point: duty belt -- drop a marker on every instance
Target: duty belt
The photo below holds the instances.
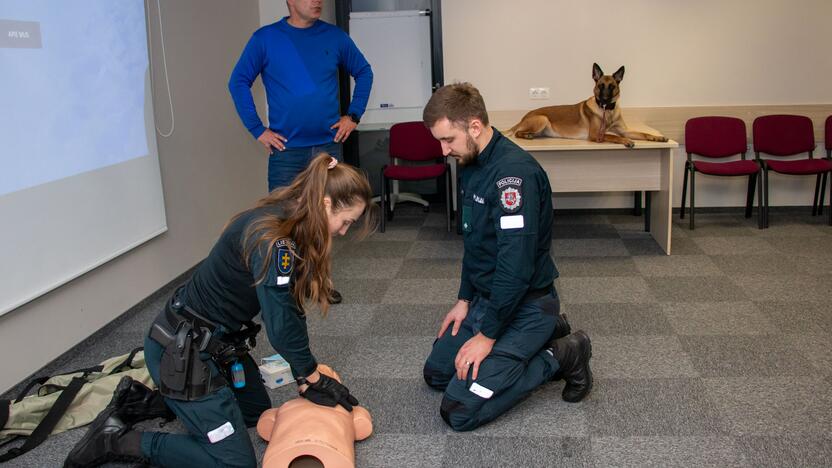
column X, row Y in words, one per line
column 528, row 297
column 185, row 335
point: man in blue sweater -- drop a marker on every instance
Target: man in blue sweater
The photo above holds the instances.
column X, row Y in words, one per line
column 298, row 58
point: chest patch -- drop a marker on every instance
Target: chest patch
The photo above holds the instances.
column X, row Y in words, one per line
column 478, row 199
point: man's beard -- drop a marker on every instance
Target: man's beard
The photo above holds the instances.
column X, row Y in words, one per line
column 471, row 152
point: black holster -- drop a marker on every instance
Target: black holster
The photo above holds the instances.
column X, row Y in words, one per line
column 187, row 339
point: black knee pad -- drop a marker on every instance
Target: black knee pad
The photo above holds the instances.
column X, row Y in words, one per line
column 449, row 407
column 434, row 378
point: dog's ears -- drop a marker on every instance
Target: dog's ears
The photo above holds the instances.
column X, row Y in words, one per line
column 597, row 73
column 619, row 75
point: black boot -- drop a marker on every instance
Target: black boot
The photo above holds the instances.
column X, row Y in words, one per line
column 573, row 353
column 137, row 402
column 335, row 297
column 562, row 328
column 109, row 438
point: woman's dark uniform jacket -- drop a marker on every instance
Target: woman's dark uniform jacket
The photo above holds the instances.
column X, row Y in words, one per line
column 222, row 289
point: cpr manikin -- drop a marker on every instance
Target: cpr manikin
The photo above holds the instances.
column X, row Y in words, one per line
column 301, row 433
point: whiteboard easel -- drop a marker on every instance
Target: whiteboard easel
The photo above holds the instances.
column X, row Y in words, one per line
column 397, row 46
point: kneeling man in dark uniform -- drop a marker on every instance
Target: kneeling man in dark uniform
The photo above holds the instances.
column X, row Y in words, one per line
column 505, row 336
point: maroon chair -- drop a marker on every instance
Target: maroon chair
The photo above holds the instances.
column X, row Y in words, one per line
column 788, row 135
column 412, row 141
column 828, row 133
column 718, row 138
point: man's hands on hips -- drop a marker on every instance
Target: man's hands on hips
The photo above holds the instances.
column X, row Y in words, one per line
column 271, row 139
column 472, row 353
column 345, row 126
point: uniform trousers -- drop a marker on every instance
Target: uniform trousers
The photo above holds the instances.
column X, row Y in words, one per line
column 241, row 408
column 517, row 364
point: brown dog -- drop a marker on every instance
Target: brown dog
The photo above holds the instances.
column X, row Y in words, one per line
column 596, row 119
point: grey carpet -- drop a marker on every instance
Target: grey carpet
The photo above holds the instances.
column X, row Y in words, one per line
column 716, row 356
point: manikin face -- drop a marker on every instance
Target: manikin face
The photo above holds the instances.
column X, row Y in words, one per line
column 457, row 141
column 341, row 220
column 306, row 10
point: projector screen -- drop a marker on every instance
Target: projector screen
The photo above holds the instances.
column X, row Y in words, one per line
column 79, row 167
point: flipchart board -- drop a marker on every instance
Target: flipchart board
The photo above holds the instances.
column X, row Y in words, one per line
column 397, row 45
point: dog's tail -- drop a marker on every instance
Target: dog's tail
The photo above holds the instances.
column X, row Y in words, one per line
column 510, row 132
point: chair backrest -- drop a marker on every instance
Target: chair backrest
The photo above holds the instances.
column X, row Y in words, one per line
column 412, row 141
column 783, row 135
column 715, row 137
column 828, row 131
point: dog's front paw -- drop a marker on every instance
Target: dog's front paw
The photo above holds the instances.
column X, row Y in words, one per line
column 629, row 143
column 662, row 139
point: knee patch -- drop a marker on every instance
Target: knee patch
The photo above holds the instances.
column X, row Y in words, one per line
column 452, row 413
column 435, row 378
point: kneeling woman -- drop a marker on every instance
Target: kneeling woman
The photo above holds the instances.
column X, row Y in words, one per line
column 270, row 259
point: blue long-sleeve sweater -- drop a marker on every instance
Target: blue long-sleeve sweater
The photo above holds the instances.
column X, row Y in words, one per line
column 299, row 69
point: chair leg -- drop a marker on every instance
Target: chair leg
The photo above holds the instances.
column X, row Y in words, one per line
column 383, row 200
column 389, row 189
column 759, row 175
column 817, row 193
column 692, row 195
column 749, row 199
column 765, row 197
column 822, row 193
column 448, row 197
column 830, row 198
column 684, row 191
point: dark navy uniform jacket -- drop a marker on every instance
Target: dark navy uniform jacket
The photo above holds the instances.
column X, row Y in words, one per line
column 507, row 226
column 223, row 290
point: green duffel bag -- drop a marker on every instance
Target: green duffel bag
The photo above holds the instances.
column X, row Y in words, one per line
column 65, row 401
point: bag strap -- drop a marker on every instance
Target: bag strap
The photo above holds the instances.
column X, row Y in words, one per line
column 128, row 361
column 4, row 412
column 49, row 421
column 32, row 383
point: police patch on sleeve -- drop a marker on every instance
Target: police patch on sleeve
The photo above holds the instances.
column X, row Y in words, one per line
column 284, row 261
column 511, row 197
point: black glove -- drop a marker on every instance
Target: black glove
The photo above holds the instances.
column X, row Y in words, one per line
column 329, row 392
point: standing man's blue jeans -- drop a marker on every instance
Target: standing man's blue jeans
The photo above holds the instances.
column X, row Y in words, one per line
column 285, row 165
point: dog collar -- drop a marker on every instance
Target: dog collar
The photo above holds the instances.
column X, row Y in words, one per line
column 609, row 107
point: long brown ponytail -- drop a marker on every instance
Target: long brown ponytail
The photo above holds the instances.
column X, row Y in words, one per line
column 306, row 223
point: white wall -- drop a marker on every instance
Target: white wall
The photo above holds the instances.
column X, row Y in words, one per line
column 676, row 53
column 211, row 169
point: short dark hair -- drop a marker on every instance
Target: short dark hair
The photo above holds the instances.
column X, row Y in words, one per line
column 458, row 102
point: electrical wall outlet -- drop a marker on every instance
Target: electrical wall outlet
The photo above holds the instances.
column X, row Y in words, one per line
column 538, row 93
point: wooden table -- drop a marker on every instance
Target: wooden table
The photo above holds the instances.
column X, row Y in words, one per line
column 583, row 166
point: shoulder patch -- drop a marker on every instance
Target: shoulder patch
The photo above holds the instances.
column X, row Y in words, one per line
column 511, row 197
column 516, row 181
column 284, row 260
